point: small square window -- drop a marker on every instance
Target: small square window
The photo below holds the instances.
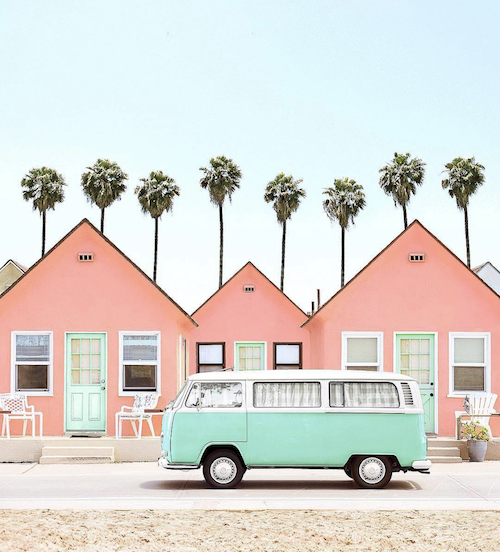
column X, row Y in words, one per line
column 362, row 351
column 287, row 356
column 210, row 357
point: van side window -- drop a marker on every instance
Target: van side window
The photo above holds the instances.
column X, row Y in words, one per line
column 364, row 395
column 336, row 394
column 215, row 395
column 287, row 395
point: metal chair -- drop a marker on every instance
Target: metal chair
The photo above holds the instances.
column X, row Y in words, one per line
column 16, row 407
column 136, row 412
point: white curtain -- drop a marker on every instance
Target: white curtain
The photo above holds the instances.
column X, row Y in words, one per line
column 287, row 395
column 370, row 395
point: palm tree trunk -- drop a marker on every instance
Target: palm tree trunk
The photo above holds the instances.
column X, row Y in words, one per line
column 44, row 221
column 156, row 249
column 102, row 220
column 283, row 243
column 342, row 258
column 467, row 245
column 405, row 219
column 221, row 251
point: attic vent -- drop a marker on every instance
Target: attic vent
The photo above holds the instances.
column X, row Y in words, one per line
column 249, row 288
column 85, row 257
column 417, row 257
column 407, row 393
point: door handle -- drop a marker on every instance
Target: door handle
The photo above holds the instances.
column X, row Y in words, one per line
column 432, row 394
column 432, row 383
column 103, row 388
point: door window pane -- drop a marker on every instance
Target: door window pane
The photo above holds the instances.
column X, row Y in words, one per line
column 287, row 394
column 215, row 395
column 469, row 378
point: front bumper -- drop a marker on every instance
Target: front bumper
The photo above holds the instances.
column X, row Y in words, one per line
column 421, row 465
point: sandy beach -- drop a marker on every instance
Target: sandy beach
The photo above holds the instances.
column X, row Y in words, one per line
column 248, row 531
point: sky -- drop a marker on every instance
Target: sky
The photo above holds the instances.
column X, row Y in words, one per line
column 317, row 89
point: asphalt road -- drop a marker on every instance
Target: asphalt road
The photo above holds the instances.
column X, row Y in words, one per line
column 145, row 485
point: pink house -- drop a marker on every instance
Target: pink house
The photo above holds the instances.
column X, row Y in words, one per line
column 249, row 324
column 418, row 310
column 84, row 329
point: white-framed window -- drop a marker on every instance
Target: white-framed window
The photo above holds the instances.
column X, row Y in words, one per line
column 140, row 369
column 470, row 363
column 32, row 363
column 362, row 351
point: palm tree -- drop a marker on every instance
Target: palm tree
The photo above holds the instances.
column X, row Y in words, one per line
column 345, row 200
column 221, row 179
column 103, row 184
column 285, row 195
column 45, row 187
column 156, row 195
column 400, row 179
column 464, row 178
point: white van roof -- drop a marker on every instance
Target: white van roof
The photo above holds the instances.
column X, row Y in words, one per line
column 300, row 375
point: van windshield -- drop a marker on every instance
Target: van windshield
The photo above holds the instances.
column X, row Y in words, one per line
column 173, row 404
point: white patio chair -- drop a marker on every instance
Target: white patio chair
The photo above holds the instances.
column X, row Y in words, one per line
column 134, row 413
column 17, row 406
column 481, row 403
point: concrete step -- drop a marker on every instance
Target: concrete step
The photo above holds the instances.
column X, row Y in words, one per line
column 442, row 442
column 77, row 455
column 443, row 451
column 78, row 451
column 76, row 459
column 446, row 459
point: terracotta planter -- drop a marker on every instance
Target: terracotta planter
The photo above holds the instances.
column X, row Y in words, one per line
column 477, row 450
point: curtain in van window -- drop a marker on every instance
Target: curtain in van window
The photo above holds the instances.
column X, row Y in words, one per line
column 370, row 395
column 287, row 394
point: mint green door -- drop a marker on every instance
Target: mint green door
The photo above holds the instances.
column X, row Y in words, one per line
column 85, row 382
column 415, row 358
column 250, row 356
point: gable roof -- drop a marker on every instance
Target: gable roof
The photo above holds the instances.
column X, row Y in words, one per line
column 416, row 222
column 21, row 268
column 480, row 267
column 249, row 263
column 109, row 242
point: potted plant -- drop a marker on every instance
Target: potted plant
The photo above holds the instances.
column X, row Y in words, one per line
column 477, row 440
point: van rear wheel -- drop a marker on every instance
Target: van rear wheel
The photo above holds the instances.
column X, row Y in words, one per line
column 371, row 472
column 223, row 469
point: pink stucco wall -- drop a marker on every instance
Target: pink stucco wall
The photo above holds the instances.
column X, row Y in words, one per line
column 393, row 295
column 266, row 315
column 108, row 295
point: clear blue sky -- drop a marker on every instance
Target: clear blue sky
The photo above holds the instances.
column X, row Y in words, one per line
column 318, row 89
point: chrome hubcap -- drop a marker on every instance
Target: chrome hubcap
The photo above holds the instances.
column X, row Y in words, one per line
column 223, row 470
column 372, row 470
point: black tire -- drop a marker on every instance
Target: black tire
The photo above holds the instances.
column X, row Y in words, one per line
column 371, row 472
column 230, row 469
column 348, row 472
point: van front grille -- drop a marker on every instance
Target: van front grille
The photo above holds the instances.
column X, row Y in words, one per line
column 407, row 393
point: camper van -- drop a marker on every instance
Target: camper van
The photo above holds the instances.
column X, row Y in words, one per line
column 370, row 424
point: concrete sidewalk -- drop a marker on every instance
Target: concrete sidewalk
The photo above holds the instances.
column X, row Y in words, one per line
column 465, row 486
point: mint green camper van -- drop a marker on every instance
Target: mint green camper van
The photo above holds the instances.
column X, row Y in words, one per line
column 370, row 424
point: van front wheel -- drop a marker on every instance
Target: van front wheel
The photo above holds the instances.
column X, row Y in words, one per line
column 223, row 469
column 371, row 472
